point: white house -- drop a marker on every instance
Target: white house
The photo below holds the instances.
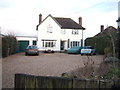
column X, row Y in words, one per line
column 56, row 33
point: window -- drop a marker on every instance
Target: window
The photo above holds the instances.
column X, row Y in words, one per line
column 75, row 43
column 49, row 29
column 63, row 31
column 75, row 32
column 49, row 43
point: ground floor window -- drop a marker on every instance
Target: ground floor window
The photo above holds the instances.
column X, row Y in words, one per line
column 75, row 43
column 47, row 43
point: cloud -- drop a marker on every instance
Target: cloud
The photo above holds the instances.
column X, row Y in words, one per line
column 22, row 15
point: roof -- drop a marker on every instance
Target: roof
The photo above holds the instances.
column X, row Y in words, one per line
column 68, row 23
column 64, row 23
column 110, row 29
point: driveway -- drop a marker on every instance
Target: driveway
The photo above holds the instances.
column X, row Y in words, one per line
column 44, row 65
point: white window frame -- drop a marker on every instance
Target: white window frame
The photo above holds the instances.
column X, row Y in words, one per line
column 75, row 32
column 47, row 43
column 74, row 43
column 49, row 29
column 63, row 31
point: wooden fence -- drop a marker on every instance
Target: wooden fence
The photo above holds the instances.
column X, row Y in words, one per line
column 30, row 81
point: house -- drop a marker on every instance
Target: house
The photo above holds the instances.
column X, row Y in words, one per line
column 109, row 30
column 24, row 41
column 104, row 40
column 59, row 34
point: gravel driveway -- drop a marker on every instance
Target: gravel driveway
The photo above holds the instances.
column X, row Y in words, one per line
column 44, row 64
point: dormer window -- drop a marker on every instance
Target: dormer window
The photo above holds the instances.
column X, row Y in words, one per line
column 49, row 29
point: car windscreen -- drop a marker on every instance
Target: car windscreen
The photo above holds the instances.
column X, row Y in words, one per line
column 32, row 47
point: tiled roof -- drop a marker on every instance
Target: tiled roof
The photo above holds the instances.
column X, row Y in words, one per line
column 109, row 29
column 68, row 23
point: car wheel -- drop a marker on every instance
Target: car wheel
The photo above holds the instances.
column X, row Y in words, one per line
column 26, row 54
column 91, row 53
column 52, row 51
column 81, row 54
column 37, row 54
column 94, row 54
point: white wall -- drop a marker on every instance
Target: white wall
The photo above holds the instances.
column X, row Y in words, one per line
column 42, row 33
column 56, row 34
column 30, row 39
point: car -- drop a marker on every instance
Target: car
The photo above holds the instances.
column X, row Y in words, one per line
column 74, row 50
column 88, row 50
column 32, row 50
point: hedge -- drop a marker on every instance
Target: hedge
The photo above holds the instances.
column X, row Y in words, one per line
column 9, row 45
column 101, row 43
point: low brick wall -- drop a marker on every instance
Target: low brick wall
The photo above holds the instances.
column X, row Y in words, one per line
column 31, row 81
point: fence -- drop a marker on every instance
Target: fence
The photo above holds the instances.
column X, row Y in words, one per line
column 30, row 81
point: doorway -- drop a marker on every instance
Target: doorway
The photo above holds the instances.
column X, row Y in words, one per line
column 62, row 45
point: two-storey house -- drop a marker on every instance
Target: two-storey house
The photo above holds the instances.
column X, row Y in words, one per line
column 57, row 34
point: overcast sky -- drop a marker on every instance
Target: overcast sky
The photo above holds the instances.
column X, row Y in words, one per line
column 21, row 16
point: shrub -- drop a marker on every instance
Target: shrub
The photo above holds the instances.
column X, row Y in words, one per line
column 113, row 73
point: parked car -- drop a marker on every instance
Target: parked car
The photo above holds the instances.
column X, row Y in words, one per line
column 74, row 50
column 88, row 50
column 32, row 50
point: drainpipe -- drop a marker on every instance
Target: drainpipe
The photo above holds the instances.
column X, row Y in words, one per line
column 82, row 39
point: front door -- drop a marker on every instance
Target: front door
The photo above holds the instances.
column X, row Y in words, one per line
column 62, row 46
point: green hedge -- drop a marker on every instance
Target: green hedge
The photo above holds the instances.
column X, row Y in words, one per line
column 9, row 45
column 100, row 43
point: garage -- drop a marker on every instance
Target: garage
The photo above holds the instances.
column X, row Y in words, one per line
column 22, row 45
column 24, row 41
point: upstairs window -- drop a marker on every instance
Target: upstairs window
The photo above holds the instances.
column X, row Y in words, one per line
column 63, row 31
column 49, row 29
column 75, row 32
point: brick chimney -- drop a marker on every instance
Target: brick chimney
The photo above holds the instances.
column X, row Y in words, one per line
column 80, row 21
column 40, row 18
column 102, row 28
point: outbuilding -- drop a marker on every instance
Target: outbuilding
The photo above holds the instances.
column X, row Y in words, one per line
column 24, row 41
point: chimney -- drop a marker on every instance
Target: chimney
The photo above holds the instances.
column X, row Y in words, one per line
column 80, row 21
column 102, row 28
column 40, row 18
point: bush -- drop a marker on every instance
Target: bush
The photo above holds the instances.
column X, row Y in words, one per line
column 113, row 73
column 9, row 45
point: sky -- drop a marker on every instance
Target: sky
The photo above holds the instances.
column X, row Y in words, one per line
column 20, row 17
